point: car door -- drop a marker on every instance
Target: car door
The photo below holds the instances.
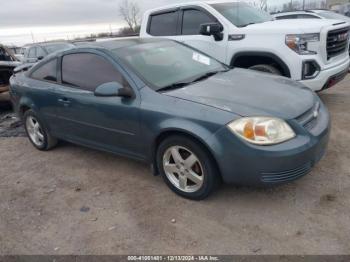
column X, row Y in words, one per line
column 109, row 123
column 184, row 26
column 43, row 81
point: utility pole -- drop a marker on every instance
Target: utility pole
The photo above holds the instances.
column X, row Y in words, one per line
column 303, row 4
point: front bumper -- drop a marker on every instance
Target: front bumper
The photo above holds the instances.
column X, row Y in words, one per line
column 328, row 77
column 245, row 164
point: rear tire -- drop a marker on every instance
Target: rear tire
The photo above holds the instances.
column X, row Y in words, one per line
column 266, row 69
column 187, row 167
column 37, row 133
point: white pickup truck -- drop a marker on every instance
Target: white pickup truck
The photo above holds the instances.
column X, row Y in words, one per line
column 312, row 51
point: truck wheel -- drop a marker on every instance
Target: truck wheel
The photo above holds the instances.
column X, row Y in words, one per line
column 267, row 69
column 37, row 133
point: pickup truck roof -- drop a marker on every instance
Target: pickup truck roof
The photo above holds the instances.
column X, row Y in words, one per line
column 194, row 3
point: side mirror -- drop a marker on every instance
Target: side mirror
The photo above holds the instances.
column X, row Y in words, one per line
column 212, row 29
column 40, row 58
column 113, row 89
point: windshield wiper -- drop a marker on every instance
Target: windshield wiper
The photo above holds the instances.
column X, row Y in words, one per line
column 174, row 86
column 183, row 84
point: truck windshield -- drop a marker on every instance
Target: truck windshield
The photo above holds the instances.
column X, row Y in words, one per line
column 242, row 14
column 167, row 64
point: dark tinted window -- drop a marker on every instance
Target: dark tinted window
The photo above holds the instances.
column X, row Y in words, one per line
column 47, row 72
column 163, row 24
column 192, row 19
column 88, row 71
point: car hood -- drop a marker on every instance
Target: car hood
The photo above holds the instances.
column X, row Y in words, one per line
column 250, row 93
column 294, row 26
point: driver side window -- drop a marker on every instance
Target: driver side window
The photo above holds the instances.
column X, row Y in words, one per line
column 192, row 20
column 88, row 71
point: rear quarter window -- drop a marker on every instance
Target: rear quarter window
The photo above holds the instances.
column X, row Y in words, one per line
column 47, row 72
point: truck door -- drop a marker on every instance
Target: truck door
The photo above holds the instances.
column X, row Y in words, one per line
column 190, row 23
column 183, row 25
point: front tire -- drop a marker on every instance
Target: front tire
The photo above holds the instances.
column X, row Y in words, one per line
column 266, row 69
column 187, row 167
column 37, row 133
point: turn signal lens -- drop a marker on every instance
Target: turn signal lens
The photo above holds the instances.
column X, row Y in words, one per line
column 262, row 130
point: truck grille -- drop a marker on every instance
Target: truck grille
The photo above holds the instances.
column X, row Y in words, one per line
column 337, row 42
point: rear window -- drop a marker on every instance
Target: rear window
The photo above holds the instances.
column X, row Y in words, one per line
column 163, row 24
column 47, row 72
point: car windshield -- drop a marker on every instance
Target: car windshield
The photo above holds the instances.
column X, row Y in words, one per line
column 57, row 47
column 241, row 14
column 168, row 63
column 332, row 15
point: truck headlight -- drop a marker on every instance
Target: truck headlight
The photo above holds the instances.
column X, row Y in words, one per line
column 262, row 130
column 299, row 43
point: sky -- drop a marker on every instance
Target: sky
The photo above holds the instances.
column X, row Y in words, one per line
column 25, row 21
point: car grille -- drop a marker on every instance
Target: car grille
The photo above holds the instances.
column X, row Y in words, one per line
column 285, row 176
column 309, row 119
column 337, row 42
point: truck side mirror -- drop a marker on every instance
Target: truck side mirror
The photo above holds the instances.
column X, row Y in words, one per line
column 212, row 29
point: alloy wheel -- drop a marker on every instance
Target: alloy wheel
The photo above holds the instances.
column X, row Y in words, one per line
column 34, row 131
column 183, row 169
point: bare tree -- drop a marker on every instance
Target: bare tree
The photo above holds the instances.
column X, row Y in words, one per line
column 263, row 5
column 130, row 11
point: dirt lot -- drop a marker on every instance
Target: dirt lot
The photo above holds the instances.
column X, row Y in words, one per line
column 74, row 200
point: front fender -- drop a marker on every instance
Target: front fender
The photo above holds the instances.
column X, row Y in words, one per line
column 179, row 127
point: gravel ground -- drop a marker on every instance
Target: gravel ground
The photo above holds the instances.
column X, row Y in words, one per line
column 10, row 125
column 74, row 200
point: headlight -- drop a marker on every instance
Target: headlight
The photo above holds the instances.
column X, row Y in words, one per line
column 299, row 43
column 262, row 130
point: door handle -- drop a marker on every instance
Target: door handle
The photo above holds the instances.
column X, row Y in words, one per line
column 64, row 101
